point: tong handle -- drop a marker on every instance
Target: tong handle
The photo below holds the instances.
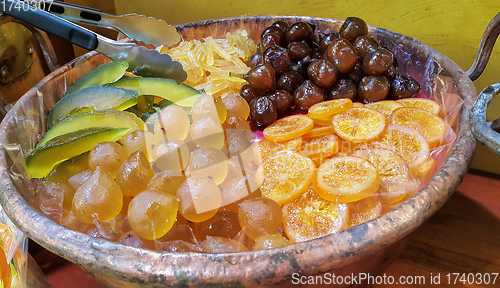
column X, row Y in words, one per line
column 51, row 24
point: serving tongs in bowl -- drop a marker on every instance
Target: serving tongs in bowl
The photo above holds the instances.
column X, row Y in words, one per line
column 142, row 61
column 142, row 28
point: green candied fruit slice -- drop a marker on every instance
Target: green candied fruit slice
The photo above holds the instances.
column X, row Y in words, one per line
column 177, row 92
column 45, row 157
column 95, row 118
column 92, row 98
column 102, row 74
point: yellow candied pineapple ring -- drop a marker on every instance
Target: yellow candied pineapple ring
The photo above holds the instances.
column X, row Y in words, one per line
column 288, row 128
column 359, row 124
column 346, row 179
column 285, row 175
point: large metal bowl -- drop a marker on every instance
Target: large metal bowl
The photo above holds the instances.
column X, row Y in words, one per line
column 367, row 248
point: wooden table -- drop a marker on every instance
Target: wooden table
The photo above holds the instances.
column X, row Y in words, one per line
column 462, row 237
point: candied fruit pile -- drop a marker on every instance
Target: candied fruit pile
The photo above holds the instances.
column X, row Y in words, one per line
column 194, row 177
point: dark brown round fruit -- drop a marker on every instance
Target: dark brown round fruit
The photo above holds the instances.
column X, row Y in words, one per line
column 357, row 73
column 373, row 88
column 299, row 31
column 391, row 73
column 274, row 30
column 270, row 39
column 278, row 58
column 263, row 111
column 322, row 73
column 352, row 28
column 281, row 24
column 343, row 88
column 282, row 99
column 343, row 55
column 326, row 40
column 404, row 86
column 289, row 81
column 364, row 44
column 298, row 50
column 377, row 62
column 249, row 92
column 307, row 94
column 262, row 77
column 254, row 60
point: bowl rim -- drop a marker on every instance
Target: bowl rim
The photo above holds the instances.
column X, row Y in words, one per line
column 334, row 250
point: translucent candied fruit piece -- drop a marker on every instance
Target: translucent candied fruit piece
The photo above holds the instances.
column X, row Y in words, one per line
column 239, row 146
column 54, row 198
column 130, row 238
column 259, row 216
column 166, row 181
column 213, row 244
column 310, row 217
column 223, row 224
column 209, row 162
column 68, row 168
column 236, row 124
column 78, row 179
column 236, row 105
column 152, row 214
column 109, row 156
column 270, row 241
column 97, row 198
column 200, row 198
column 70, row 221
column 237, row 190
column 172, row 122
column 141, row 140
column 171, row 154
column 134, row 174
column 264, row 148
column 205, row 131
column 208, row 106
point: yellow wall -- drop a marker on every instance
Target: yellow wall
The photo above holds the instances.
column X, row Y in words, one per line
column 454, row 27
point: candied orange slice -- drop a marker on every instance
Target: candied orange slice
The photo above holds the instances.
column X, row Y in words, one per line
column 357, row 105
column 320, row 147
column 422, row 103
column 310, row 217
column 264, row 148
column 432, row 127
column 288, row 128
column 364, row 210
column 385, row 107
column 320, row 130
column 325, row 110
column 346, row 179
column 359, row 124
column 284, row 176
column 424, row 168
column 392, row 169
column 405, row 141
column 347, row 147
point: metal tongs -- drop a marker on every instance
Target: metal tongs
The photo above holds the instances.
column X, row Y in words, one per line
column 141, row 60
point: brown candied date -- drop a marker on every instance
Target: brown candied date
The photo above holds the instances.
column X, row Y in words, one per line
column 249, row 92
column 282, row 99
column 343, row 88
column 270, row 39
column 352, row 28
column 307, row 94
column 263, row 111
column 299, row 31
column 364, row 44
column 254, row 59
column 298, row 50
column 357, row 73
column 274, row 30
column 377, row 62
column 289, row 81
column 373, row 88
column 326, row 40
column 343, row 55
column 262, row 77
column 281, row 24
column 404, row 86
column 322, row 73
column 278, row 58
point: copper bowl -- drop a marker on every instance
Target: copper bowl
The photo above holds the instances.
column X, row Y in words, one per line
column 367, row 248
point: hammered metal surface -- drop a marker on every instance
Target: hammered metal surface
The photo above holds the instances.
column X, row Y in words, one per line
column 365, row 248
